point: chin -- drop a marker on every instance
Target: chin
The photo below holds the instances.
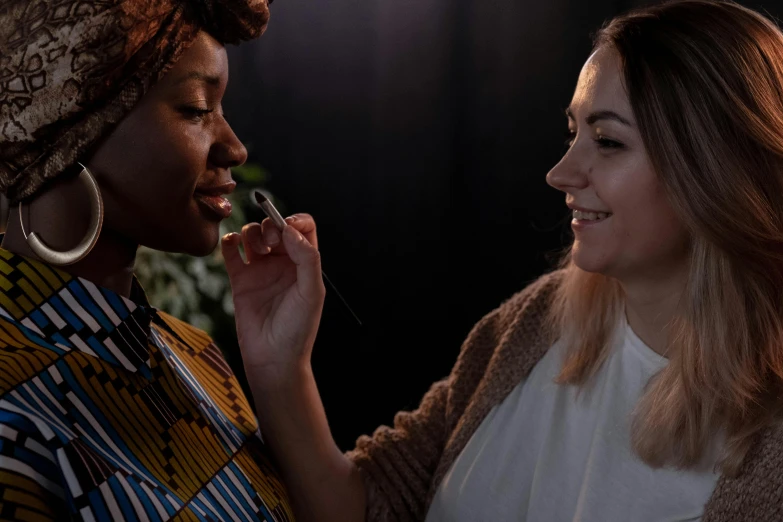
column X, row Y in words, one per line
column 589, row 261
column 203, row 250
column 199, row 242
column 205, row 245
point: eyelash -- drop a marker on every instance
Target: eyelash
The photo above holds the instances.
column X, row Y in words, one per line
column 603, row 143
column 195, row 112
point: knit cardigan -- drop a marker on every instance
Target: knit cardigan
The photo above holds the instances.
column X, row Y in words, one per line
column 402, row 466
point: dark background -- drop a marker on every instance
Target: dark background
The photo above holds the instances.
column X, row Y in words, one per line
column 418, row 134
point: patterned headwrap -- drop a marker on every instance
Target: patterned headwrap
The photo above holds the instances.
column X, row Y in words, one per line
column 70, row 70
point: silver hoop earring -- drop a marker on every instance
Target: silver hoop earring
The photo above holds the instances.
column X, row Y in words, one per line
column 69, row 257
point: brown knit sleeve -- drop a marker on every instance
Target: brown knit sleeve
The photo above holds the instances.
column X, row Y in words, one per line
column 756, row 493
column 398, row 463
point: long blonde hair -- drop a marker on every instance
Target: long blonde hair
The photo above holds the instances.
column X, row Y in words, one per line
column 705, row 81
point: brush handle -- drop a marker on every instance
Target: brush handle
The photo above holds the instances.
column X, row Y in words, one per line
column 272, row 213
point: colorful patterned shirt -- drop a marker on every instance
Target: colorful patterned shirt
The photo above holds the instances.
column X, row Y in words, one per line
column 113, row 410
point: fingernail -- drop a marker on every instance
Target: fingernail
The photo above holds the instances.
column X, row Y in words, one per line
column 290, row 219
column 259, row 248
column 272, row 237
column 227, row 237
column 299, row 236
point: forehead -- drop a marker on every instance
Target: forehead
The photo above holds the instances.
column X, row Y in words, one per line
column 206, row 56
column 600, row 85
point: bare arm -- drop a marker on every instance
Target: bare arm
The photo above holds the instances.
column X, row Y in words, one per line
column 278, row 298
column 324, row 484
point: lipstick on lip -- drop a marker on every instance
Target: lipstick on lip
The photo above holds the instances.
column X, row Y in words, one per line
column 211, row 198
column 219, row 206
column 217, row 190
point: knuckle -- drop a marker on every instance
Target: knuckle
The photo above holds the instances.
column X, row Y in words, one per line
column 315, row 256
column 304, row 217
column 251, row 226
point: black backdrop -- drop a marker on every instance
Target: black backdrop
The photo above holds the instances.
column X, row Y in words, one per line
column 418, row 134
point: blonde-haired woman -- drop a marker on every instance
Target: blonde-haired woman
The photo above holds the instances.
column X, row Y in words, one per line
column 641, row 380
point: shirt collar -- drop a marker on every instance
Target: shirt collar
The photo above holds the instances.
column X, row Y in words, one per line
column 71, row 313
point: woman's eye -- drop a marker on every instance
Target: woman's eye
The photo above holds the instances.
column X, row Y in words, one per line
column 606, row 143
column 196, row 113
column 603, row 142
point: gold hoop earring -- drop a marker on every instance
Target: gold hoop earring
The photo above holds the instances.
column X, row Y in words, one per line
column 69, row 257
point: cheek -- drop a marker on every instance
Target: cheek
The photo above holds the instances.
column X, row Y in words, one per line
column 647, row 223
column 173, row 156
column 163, row 161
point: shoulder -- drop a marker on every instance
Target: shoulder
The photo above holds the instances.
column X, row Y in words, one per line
column 512, row 335
column 756, row 493
column 198, row 351
column 522, row 313
column 192, row 346
column 194, row 337
column 24, row 354
column 532, row 301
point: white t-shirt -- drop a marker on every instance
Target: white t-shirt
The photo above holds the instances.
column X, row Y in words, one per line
column 548, row 454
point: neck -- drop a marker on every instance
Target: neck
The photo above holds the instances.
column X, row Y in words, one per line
column 60, row 218
column 651, row 304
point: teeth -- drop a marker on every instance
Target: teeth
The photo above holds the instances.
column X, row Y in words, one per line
column 590, row 216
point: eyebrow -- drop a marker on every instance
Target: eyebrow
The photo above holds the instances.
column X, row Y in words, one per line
column 600, row 115
column 202, row 77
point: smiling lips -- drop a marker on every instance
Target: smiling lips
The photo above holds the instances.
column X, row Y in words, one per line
column 210, row 198
column 581, row 215
column 584, row 216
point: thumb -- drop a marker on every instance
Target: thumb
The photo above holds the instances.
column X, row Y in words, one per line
column 307, row 260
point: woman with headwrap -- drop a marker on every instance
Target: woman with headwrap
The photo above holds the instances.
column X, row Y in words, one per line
column 112, row 136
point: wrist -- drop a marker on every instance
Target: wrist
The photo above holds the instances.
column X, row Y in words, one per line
column 277, row 378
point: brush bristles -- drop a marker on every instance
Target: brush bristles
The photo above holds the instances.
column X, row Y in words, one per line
column 259, row 197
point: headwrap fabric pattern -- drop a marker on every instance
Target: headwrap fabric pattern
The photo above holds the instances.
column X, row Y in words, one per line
column 70, row 70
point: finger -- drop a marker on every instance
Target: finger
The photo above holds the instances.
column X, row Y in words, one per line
column 271, row 234
column 229, row 247
column 253, row 241
column 305, row 224
column 308, row 264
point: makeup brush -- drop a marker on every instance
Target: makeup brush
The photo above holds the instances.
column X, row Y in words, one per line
column 257, row 197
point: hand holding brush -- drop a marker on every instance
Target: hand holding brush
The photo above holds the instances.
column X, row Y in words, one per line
column 278, row 292
column 269, row 209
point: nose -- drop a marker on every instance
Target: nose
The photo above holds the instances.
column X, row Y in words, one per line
column 228, row 151
column 570, row 173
